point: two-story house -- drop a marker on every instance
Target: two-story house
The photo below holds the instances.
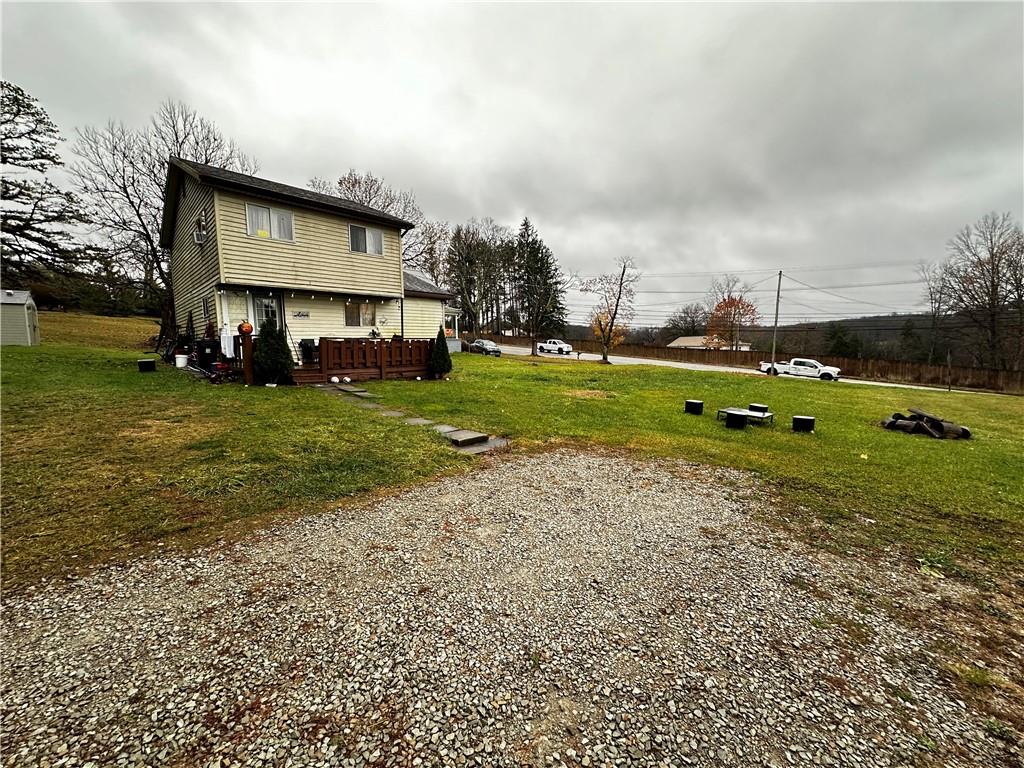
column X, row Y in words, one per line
column 245, row 248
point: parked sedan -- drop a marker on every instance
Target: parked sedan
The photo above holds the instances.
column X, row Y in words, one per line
column 485, row 347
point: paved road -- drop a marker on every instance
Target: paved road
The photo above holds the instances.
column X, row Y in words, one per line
column 508, row 349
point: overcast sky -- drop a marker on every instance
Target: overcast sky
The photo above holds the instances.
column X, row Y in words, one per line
column 852, row 139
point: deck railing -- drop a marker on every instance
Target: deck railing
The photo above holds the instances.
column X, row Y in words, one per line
column 358, row 359
column 373, row 359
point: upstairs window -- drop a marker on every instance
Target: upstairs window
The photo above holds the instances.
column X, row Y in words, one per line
column 268, row 223
column 360, row 315
column 365, row 240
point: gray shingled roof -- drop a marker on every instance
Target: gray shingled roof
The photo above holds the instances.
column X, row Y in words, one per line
column 419, row 286
column 225, row 179
column 14, row 297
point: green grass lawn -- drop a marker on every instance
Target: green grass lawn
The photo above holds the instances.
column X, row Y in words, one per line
column 851, row 484
column 101, row 462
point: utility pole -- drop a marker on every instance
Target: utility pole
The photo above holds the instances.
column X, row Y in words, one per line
column 775, row 330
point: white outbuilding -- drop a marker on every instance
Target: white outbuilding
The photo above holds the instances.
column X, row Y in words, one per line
column 19, row 320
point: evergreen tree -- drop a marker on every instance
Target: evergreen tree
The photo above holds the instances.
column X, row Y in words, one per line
column 36, row 216
column 841, row 342
column 911, row 347
column 440, row 359
column 541, row 286
column 272, row 357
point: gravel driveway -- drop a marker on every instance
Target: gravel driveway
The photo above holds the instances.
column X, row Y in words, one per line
column 555, row 609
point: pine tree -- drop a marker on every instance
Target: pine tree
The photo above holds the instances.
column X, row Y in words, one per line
column 842, row 342
column 36, row 216
column 542, row 309
column 440, row 359
column 272, row 357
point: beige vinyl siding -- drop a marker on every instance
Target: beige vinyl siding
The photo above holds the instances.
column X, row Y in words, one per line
column 423, row 317
column 194, row 268
column 327, row 318
column 318, row 259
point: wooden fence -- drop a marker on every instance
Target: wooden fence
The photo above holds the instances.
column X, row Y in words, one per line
column 896, row 371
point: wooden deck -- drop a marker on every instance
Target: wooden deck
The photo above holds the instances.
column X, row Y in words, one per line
column 367, row 359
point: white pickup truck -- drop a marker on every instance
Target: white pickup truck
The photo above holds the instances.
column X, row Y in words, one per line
column 801, row 366
column 556, row 346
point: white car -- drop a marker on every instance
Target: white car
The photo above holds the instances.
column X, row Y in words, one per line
column 801, row 366
column 555, row 346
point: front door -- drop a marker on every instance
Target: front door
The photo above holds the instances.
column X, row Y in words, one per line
column 265, row 307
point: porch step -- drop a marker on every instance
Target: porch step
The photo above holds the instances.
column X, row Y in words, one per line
column 461, row 438
column 307, row 377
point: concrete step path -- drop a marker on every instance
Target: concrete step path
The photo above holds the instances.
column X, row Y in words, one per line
column 462, row 440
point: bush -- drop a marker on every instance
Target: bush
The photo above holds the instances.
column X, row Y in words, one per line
column 272, row 361
column 440, row 359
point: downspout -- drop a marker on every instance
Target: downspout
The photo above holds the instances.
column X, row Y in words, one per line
column 401, row 302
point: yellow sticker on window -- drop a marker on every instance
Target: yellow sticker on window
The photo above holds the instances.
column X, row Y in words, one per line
column 262, row 233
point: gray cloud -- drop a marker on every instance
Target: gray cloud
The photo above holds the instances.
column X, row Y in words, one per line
column 695, row 138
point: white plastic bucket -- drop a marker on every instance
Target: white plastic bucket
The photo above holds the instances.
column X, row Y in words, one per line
column 181, row 361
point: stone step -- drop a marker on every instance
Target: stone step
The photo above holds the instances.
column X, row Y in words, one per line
column 364, row 394
column 418, row 421
column 351, row 388
column 445, row 428
column 463, row 437
column 491, row 444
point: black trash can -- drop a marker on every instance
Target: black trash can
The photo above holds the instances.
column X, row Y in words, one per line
column 735, row 420
column 309, row 351
column 803, row 424
column 207, row 353
column 696, row 407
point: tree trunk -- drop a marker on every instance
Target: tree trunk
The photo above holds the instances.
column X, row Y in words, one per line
column 168, row 327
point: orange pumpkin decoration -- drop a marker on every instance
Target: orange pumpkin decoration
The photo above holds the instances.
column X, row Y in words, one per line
column 245, row 328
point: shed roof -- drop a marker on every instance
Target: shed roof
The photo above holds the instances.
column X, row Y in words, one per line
column 240, row 182
column 15, row 297
column 416, row 286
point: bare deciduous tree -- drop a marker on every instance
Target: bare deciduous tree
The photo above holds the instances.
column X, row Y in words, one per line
column 727, row 286
column 423, row 247
column 473, row 264
column 933, row 277
column 982, row 287
column 689, row 320
column 613, row 311
column 120, row 174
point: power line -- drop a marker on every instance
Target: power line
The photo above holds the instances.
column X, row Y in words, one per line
column 861, row 265
column 839, row 296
